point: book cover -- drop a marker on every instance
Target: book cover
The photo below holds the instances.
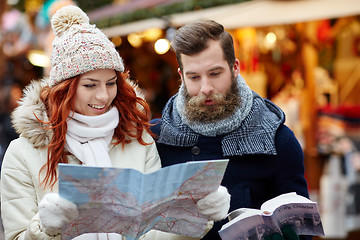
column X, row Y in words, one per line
column 291, row 209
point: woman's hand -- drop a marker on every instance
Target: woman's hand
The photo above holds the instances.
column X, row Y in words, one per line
column 55, row 211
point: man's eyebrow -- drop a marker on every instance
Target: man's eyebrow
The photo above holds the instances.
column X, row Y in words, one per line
column 190, row 73
column 216, row 68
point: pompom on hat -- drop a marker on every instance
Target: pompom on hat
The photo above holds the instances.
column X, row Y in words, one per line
column 79, row 47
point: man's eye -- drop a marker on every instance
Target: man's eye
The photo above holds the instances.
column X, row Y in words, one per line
column 194, row 77
column 214, row 73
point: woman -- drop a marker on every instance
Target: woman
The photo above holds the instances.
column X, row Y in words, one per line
column 86, row 113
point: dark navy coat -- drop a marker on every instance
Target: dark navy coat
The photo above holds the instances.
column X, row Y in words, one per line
column 251, row 178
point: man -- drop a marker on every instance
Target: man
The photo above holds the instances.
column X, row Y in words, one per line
column 215, row 115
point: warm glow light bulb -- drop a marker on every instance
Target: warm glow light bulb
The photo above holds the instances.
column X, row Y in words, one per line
column 271, row 37
column 152, row 34
column 134, row 40
column 270, row 41
column 38, row 58
column 162, row 46
column 117, row 41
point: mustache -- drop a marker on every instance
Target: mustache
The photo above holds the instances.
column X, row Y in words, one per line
column 198, row 101
column 224, row 106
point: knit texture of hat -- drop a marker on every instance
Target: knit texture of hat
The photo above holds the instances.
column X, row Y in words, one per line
column 79, row 47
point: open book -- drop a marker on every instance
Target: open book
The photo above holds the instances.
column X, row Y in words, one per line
column 291, row 209
column 126, row 201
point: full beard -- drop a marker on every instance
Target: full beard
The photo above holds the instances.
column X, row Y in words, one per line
column 225, row 105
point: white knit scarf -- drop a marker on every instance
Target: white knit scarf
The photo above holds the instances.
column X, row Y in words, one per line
column 88, row 137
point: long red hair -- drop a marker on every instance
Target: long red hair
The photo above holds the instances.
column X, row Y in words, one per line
column 60, row 101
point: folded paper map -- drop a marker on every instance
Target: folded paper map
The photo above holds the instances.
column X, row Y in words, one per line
column 131, row 203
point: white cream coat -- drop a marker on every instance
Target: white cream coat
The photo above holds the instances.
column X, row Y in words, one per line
column 21, row 190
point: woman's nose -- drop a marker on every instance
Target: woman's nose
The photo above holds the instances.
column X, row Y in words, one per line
column 102, row 94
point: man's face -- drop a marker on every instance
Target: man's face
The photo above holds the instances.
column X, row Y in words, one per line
column 210, row 85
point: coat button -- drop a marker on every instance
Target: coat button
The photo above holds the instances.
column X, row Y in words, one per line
column 195, row 150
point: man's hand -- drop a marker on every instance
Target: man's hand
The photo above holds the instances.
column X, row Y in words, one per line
column 287, row 234
column 216, row 205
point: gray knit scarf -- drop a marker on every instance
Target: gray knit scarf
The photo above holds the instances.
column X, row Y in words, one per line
column 222, row 126
column 252, row 129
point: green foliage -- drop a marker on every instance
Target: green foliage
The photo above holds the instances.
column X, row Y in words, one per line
column 89, row 5
column 161, row 11
column 140, row 14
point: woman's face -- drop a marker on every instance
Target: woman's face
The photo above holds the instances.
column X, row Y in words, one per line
column 95, row 92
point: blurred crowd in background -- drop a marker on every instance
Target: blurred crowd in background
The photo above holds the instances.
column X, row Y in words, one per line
column 23, row 34
column 278, row 73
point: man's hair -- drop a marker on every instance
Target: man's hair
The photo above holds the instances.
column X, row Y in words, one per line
column 193, row 38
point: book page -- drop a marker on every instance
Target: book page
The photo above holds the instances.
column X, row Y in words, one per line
column 242, row 213
column 126, row 201
column 250, row 224
column 282, row 199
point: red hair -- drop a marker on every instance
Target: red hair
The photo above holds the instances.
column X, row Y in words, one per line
column 59, row 100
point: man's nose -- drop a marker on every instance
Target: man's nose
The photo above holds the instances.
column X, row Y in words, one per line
column 206, row 86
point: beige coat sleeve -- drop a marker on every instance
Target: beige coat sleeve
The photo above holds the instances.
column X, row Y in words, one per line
column 153, row 162
column 19, row 205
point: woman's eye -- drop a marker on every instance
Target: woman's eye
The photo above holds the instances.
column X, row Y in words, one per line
column 89, row 85
column 111, row 83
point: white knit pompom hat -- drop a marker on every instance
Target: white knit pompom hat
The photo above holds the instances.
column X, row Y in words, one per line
column 79, row 47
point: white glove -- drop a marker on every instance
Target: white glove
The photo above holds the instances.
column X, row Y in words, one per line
column 55, row 211
column 216, row 205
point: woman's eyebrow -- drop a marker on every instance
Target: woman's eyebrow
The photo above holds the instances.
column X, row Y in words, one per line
column 97, row 80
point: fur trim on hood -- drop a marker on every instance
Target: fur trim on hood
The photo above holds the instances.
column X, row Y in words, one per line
column 24, row 117
column 31, row 108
